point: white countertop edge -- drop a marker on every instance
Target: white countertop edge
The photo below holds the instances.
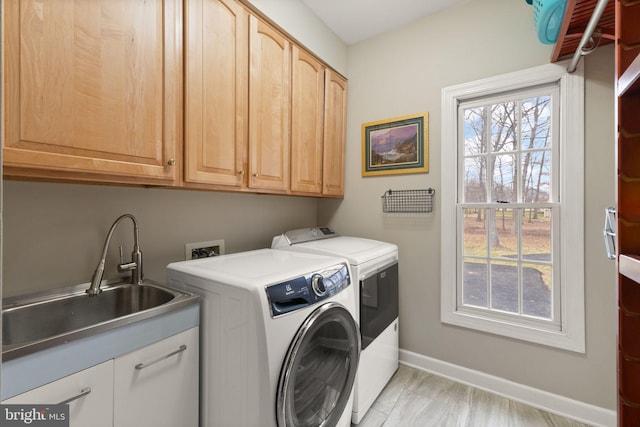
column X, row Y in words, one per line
column 28, row 372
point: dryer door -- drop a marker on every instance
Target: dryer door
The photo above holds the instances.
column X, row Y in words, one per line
column 319, row 369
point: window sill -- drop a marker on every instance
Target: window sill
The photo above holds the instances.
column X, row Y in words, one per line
column 566, row 340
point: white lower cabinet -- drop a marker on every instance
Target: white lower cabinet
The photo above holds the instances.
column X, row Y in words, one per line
column 89, row 394
column 157, row 385
column 154, row 386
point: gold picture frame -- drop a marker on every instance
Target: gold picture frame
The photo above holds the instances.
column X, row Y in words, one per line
column 396, row 146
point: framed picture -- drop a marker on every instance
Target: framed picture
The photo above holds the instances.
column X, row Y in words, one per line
column 395, row 146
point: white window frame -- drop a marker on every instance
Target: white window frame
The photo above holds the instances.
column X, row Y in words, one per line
column 569, row 332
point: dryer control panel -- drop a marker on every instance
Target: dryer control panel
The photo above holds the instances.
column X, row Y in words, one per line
column 302, row 235
column 303, row 291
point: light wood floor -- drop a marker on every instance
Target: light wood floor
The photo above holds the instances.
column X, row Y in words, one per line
column 417, row 398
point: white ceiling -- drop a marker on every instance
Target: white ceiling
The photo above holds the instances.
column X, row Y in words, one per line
column 357, row 20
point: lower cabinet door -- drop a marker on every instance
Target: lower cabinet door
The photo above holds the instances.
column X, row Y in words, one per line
column 157, row 385
column 88, row 393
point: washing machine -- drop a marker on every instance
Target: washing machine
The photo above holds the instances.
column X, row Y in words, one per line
column 374, row 265
column 279, row 340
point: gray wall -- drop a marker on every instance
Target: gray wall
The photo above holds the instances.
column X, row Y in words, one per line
column 403, row 73
column 54, row 233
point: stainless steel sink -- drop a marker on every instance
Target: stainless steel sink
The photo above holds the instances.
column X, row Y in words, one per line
column 41, row 321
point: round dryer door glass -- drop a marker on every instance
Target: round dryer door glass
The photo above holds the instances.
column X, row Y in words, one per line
column 319, row 369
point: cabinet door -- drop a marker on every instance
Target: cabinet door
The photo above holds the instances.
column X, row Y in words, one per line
column 89, row 394
column 307, row 118
column 158, row 385
column 269, row 107
column 335, row 126
column 216, row 85
column 92, row 89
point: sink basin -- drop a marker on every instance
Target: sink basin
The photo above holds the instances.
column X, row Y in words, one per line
column 41, row 321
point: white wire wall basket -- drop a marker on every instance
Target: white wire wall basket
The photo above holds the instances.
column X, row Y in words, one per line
column 408, row 201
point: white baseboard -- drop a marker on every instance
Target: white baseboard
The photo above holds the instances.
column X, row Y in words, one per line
column 556, row 404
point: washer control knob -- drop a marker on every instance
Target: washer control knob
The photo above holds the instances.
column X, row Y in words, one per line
column 317, row 283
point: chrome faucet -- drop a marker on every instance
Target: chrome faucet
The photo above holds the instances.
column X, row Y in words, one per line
column 135, row 266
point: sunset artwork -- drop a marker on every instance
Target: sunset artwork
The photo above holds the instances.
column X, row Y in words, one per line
column 395, row 146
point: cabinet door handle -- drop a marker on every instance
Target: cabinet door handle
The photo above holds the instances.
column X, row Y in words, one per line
column 82, row 393
column 141, row 366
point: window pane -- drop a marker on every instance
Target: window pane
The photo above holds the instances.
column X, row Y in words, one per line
column 536, row 289
column 504, row 286
column 475, row 232
column 507, row 148
column 503, row 178
column 504, row 127
column 503, row 236
column 475, row 186
column 474, row 131
column 536, row 176
column 536, row 123
column 536, row 235
column 474, row 286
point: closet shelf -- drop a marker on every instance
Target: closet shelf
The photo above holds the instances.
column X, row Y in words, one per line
column 626, row 178
column 626, row 222
column 629, row 266
column 629, row 81
column 576, row 17
column 628, row 135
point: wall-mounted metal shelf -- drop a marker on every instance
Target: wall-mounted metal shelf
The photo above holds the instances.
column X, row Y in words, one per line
column 408, row 201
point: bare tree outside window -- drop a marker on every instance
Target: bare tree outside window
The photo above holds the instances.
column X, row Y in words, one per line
column 507, row 238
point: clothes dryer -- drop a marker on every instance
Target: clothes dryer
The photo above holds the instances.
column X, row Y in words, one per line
column 375, row 269
column 279, row 341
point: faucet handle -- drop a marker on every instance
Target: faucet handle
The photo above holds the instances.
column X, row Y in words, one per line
column 125, row 266
column 129, row 266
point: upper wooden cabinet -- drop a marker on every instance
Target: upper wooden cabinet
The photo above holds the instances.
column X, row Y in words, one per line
column 307, row 118
column 120, row 91
column 335, row 127
column 216, row 92
column 92, row 90
column 261, row 113
column 269, row 107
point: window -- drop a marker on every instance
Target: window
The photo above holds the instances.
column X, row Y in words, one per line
column 512, row 202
